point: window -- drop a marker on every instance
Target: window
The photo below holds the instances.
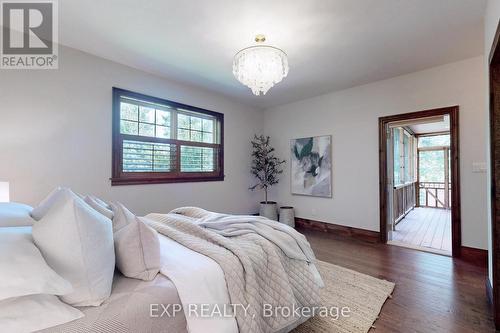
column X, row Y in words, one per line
column 442, row 140
column 404, row 157
column 397, row 158
column 407, row 158
column 160, row 141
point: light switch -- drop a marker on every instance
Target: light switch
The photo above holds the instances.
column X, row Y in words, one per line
column 479, row 167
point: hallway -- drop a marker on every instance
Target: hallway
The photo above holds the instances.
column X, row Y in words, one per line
column 426, row 228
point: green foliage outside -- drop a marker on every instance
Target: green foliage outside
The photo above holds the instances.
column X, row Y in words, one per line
column 433, row 141
column 431, row 166
column 141, row 156
column 431, row 163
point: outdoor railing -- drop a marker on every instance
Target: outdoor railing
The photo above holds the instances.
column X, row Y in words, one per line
column 404, row 200
column 434, row 194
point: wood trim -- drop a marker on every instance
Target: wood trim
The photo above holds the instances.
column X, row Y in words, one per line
column 452, row 111
column 478, row 257
column 494, row 78
column 418, row 135
column 158, row 180
column 169, row 141
column 175, row 176
column 339, row 230
column 489, row 291
column 494, row 55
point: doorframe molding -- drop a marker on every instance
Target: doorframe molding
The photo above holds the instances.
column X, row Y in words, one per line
column 452, row 111
column 494, row 121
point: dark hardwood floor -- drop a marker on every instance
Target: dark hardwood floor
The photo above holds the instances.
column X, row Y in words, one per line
column 433, row 293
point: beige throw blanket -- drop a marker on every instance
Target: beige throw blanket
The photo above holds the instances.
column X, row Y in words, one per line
column 258, row 273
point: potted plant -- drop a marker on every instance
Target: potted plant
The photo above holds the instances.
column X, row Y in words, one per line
column 265, row 167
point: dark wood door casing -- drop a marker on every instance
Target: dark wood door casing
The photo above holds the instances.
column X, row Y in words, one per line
column 494, row 77
column 452, row 111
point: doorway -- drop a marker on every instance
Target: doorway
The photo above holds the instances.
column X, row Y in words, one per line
column 419, row 181
column 421, row 185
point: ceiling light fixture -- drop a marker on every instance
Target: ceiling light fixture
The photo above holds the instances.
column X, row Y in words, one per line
column 260, row 67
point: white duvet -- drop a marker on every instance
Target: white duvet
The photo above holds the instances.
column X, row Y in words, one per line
column 199, row 280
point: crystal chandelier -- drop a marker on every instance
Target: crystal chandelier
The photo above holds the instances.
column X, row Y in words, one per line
column 260, row 67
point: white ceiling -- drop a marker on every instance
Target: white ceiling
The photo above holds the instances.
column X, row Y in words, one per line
column 435, row 127
column 331, row 44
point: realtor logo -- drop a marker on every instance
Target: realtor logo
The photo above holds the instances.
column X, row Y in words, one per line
column 29, row 35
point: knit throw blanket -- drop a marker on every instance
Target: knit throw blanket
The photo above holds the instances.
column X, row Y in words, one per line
column 260, row 277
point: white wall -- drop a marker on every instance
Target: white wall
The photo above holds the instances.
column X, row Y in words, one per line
column 492, row 16
column 351, row 116
column 55, row 129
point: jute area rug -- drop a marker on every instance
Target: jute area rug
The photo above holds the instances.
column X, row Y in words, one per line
column 362, row 294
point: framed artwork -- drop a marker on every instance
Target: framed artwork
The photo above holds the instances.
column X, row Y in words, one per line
column 311, row 166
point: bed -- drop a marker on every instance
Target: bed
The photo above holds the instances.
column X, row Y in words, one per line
column 186, row 277
column 128, row 309
column 213, row 272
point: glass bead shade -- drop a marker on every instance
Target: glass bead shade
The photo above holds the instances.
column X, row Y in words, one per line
column 260, row 67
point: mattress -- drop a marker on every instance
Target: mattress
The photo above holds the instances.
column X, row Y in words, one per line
column 128, row 309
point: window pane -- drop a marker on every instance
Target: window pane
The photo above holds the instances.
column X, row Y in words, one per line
column 162, row 118
column 147, row 157
column 208, row 137
column 182, row 121
column 183, row 134
column 431, row 166
column 195, row 123
column 208, row 125
column 197, row 129
column 396, row 157
column 129, row 111
column 433, row 141
column 146, row 130
column 407, row 158
column 128, row 127
column 146, row 115
column 163, row 132
column 195, row 136
column 197, row 159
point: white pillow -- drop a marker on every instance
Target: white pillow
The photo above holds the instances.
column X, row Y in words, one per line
column 137, row 246
column 100, row 202
column 77, row 242
column 23, row 271
column 43, row 207
column 35, row 312
column 14, row 214
column 99, row 206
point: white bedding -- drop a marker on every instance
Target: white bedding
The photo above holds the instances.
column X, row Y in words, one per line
column 14, row 214
column 199, row 280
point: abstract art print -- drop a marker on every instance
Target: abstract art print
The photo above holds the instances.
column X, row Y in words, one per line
column 311, row 166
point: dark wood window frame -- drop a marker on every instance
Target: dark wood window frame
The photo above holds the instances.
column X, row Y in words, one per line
column 176, row 176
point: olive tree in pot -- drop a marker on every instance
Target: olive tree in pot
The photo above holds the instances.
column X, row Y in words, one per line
column 265, row 167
